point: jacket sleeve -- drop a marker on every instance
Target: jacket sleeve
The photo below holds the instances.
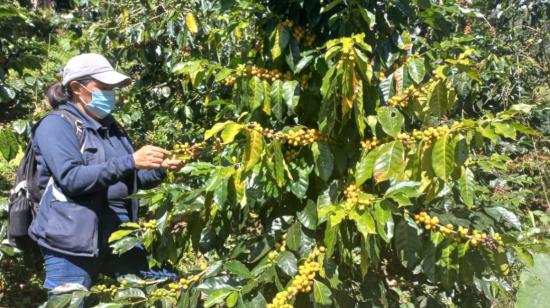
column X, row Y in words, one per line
column 60, row 148
column 150, row 178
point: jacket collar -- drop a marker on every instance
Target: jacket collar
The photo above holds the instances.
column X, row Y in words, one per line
column 87, row 121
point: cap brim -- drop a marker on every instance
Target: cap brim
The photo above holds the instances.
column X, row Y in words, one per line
column 112, row 78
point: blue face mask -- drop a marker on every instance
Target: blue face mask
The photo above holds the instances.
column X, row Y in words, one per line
column 102, row 104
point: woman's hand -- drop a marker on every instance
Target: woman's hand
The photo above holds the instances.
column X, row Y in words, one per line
column 150, row 157
column 172, row 163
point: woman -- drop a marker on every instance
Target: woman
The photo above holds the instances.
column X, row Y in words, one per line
column 87, row 169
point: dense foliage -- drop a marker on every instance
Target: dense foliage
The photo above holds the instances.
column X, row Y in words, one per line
column 338, row 153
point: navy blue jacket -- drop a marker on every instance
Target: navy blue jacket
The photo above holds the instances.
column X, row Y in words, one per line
column 76, row 175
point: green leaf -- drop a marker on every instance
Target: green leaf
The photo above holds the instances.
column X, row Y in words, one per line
column 276, row 162
column 437, row 99
column 443, row 156
column 506, row 130
column 130, row 294
column 294, row 236
column 108, row 305
column 300, row 185
column 280, row 39
column 232, row 299
column 217, row 297
column 8, row 144
column 407, row 244
column 276, row 93
column 324, row 160
column 117, row 235
column 237, row 268
column 266, row 106
column 534, row 290
column 389, row 162
column 290, row 88
column 215, row 129
column 124, row 245
column 326, row 90
column 391, row 120
column 501, row 214
column 257, row 93
column 364, row 222
column 305, row 61
column 416, row 68
column 447, row 265
column 287, row 262
column 59, row 301
column 368, row 17
column 222, row 74
column 525, row 256
column 466, row 185
column 365, row 166
column 308, row 216
column 321, row 293
column 253, row 149
column 217, row 177
column 230, row 131
column 330, row 238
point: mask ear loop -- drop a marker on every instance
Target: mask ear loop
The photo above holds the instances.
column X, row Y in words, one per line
column 85, row 87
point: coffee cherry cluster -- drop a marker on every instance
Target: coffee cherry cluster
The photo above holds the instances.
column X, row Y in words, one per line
column 424, row 218
column 346, row 57
column 475, row 238
column 162, row 292
column 299, row 33
column 101, row 288
column 404, row 138
column 288, row 23
column 370, row 143
column 253, row 70
column 229, row 80
column 354, row 200
column 271, row 256
column 150, row 225
column 430, row 134
column 304, row 80
column 304, row 137
column 113, row 289
column 187, row 152
column 402, row 99
column 296, row 138
column 291, row 154
column 303, row 282
column 279, row 247
column 301, row 36
column 263, row 73
column 266, row 74
column 184, row 283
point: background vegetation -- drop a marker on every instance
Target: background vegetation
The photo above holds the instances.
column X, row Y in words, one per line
column 339, row 153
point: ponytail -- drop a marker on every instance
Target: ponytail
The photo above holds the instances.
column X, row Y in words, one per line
column 57, row 95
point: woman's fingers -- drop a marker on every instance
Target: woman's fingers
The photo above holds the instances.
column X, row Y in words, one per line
column 151, row 157
column 172, row 164
column 159, row 150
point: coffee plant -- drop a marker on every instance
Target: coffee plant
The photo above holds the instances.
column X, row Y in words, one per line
column 338, row 153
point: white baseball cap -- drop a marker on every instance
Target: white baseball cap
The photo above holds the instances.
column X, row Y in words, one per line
column 95, row 66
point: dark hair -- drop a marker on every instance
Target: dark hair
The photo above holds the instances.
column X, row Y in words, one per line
column 59, row 94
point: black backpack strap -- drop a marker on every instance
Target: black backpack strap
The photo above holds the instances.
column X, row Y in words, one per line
column 29, row 168
column 71, row 118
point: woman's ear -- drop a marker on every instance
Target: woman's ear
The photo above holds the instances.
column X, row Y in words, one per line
column 76, row 88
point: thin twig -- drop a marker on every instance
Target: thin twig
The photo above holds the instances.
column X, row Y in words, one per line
column 542, row 175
